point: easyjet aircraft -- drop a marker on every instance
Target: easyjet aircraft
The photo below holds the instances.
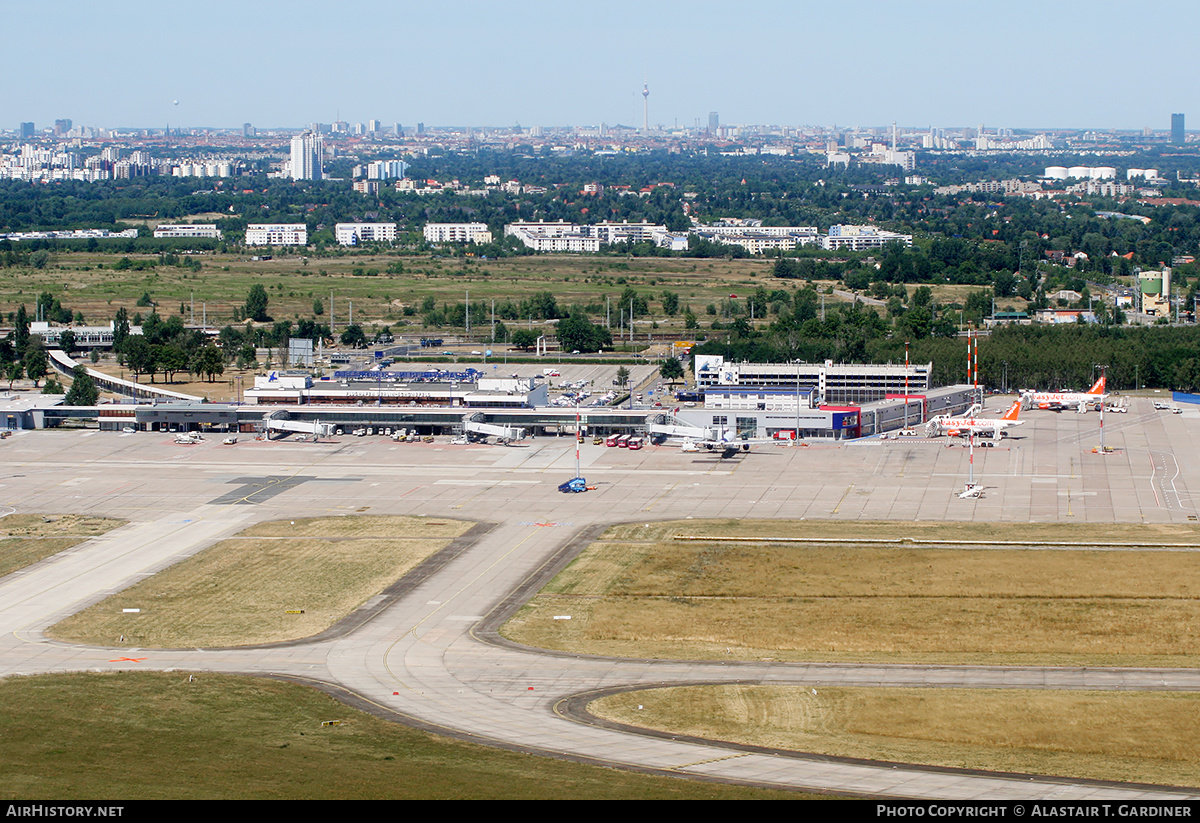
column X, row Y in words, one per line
column 1057, row 401
column 972, row 424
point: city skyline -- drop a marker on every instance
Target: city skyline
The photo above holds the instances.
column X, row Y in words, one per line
column 940, row 64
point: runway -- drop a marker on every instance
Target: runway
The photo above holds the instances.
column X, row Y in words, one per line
column 431, row 655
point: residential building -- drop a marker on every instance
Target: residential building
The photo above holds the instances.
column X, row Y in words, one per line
column 351, row 234
column 308, row 152
column 857, row 238
column 276, row 234
column 188, row 231
column 457, row 233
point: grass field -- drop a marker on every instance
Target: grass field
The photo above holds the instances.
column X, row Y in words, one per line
column 167, row 736
column 275, row 581
column 1151, row 738
column 639, row 593
column 88, row 283
column 27, row 538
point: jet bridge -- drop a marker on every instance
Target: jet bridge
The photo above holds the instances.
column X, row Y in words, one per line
column 475, row 424
column 661, row 426
column 277, row 421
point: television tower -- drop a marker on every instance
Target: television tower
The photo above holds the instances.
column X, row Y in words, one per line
column 646, row 107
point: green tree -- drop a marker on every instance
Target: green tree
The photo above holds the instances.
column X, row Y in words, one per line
column 120, row 328
column 670, row 303
column 171, row 359
column 256, row 304
column 577, row 333
column 66, row 341
column 524, row 339
column 209, row 362
column 35, row 360
column 671, row 370
column 140, row 356
column 83, row 390
column 354, row 337
column 21, row 329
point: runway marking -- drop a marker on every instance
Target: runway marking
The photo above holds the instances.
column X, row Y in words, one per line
column 128, row 660
column 255, row 490
column 842, row 500
column 697, row 763
column 659, row 498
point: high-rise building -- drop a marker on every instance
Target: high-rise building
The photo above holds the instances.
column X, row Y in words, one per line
column 1177, row 129
column 307, row 152
column 248, row 130
column 714, row 122
column 26, row 131
column 61, row 127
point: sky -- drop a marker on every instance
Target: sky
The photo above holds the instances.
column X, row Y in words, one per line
column 1020, row 64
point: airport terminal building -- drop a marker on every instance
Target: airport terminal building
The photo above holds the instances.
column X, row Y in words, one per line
column 841, row 383
column 784, row 401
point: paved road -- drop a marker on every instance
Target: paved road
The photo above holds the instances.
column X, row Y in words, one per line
column 430, row 655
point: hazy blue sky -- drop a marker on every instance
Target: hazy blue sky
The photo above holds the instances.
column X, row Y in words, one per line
column 1052, row 63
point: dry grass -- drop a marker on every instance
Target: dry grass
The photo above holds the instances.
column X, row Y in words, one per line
column 1151, row 738
column 223, row 389
column 286, row 582
column 27, row 538
column 835, row 530
column 715, row 600
column 293, row 282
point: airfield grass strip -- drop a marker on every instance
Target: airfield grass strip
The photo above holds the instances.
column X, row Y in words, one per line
column 1131, row 737
column 637, row 592
column 27, row 538
column 146, row 735
column 257, row 588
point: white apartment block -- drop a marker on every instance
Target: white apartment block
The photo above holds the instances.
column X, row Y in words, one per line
column 857, row 238
column 308, row 153
column 757, row 239
column 563, row 236
column 457, row 233
column 276, row 234
column 188, row 231
column 557, row 236
column 610, row 232
column 351, row 234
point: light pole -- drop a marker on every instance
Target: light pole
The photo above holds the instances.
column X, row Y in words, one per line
column 1103, row 373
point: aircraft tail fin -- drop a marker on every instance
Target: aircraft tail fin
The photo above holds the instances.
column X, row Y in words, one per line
column 1013, row 411
column 1098, row 388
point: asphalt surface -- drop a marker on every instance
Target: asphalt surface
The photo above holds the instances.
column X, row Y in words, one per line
column 426, row 651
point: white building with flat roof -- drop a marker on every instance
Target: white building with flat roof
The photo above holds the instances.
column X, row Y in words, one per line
column 351, row 234
column 457, row 233
column 205, row 230
column 857, row 238
column 276, row 234
column 308, row 152
column 563, row 236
